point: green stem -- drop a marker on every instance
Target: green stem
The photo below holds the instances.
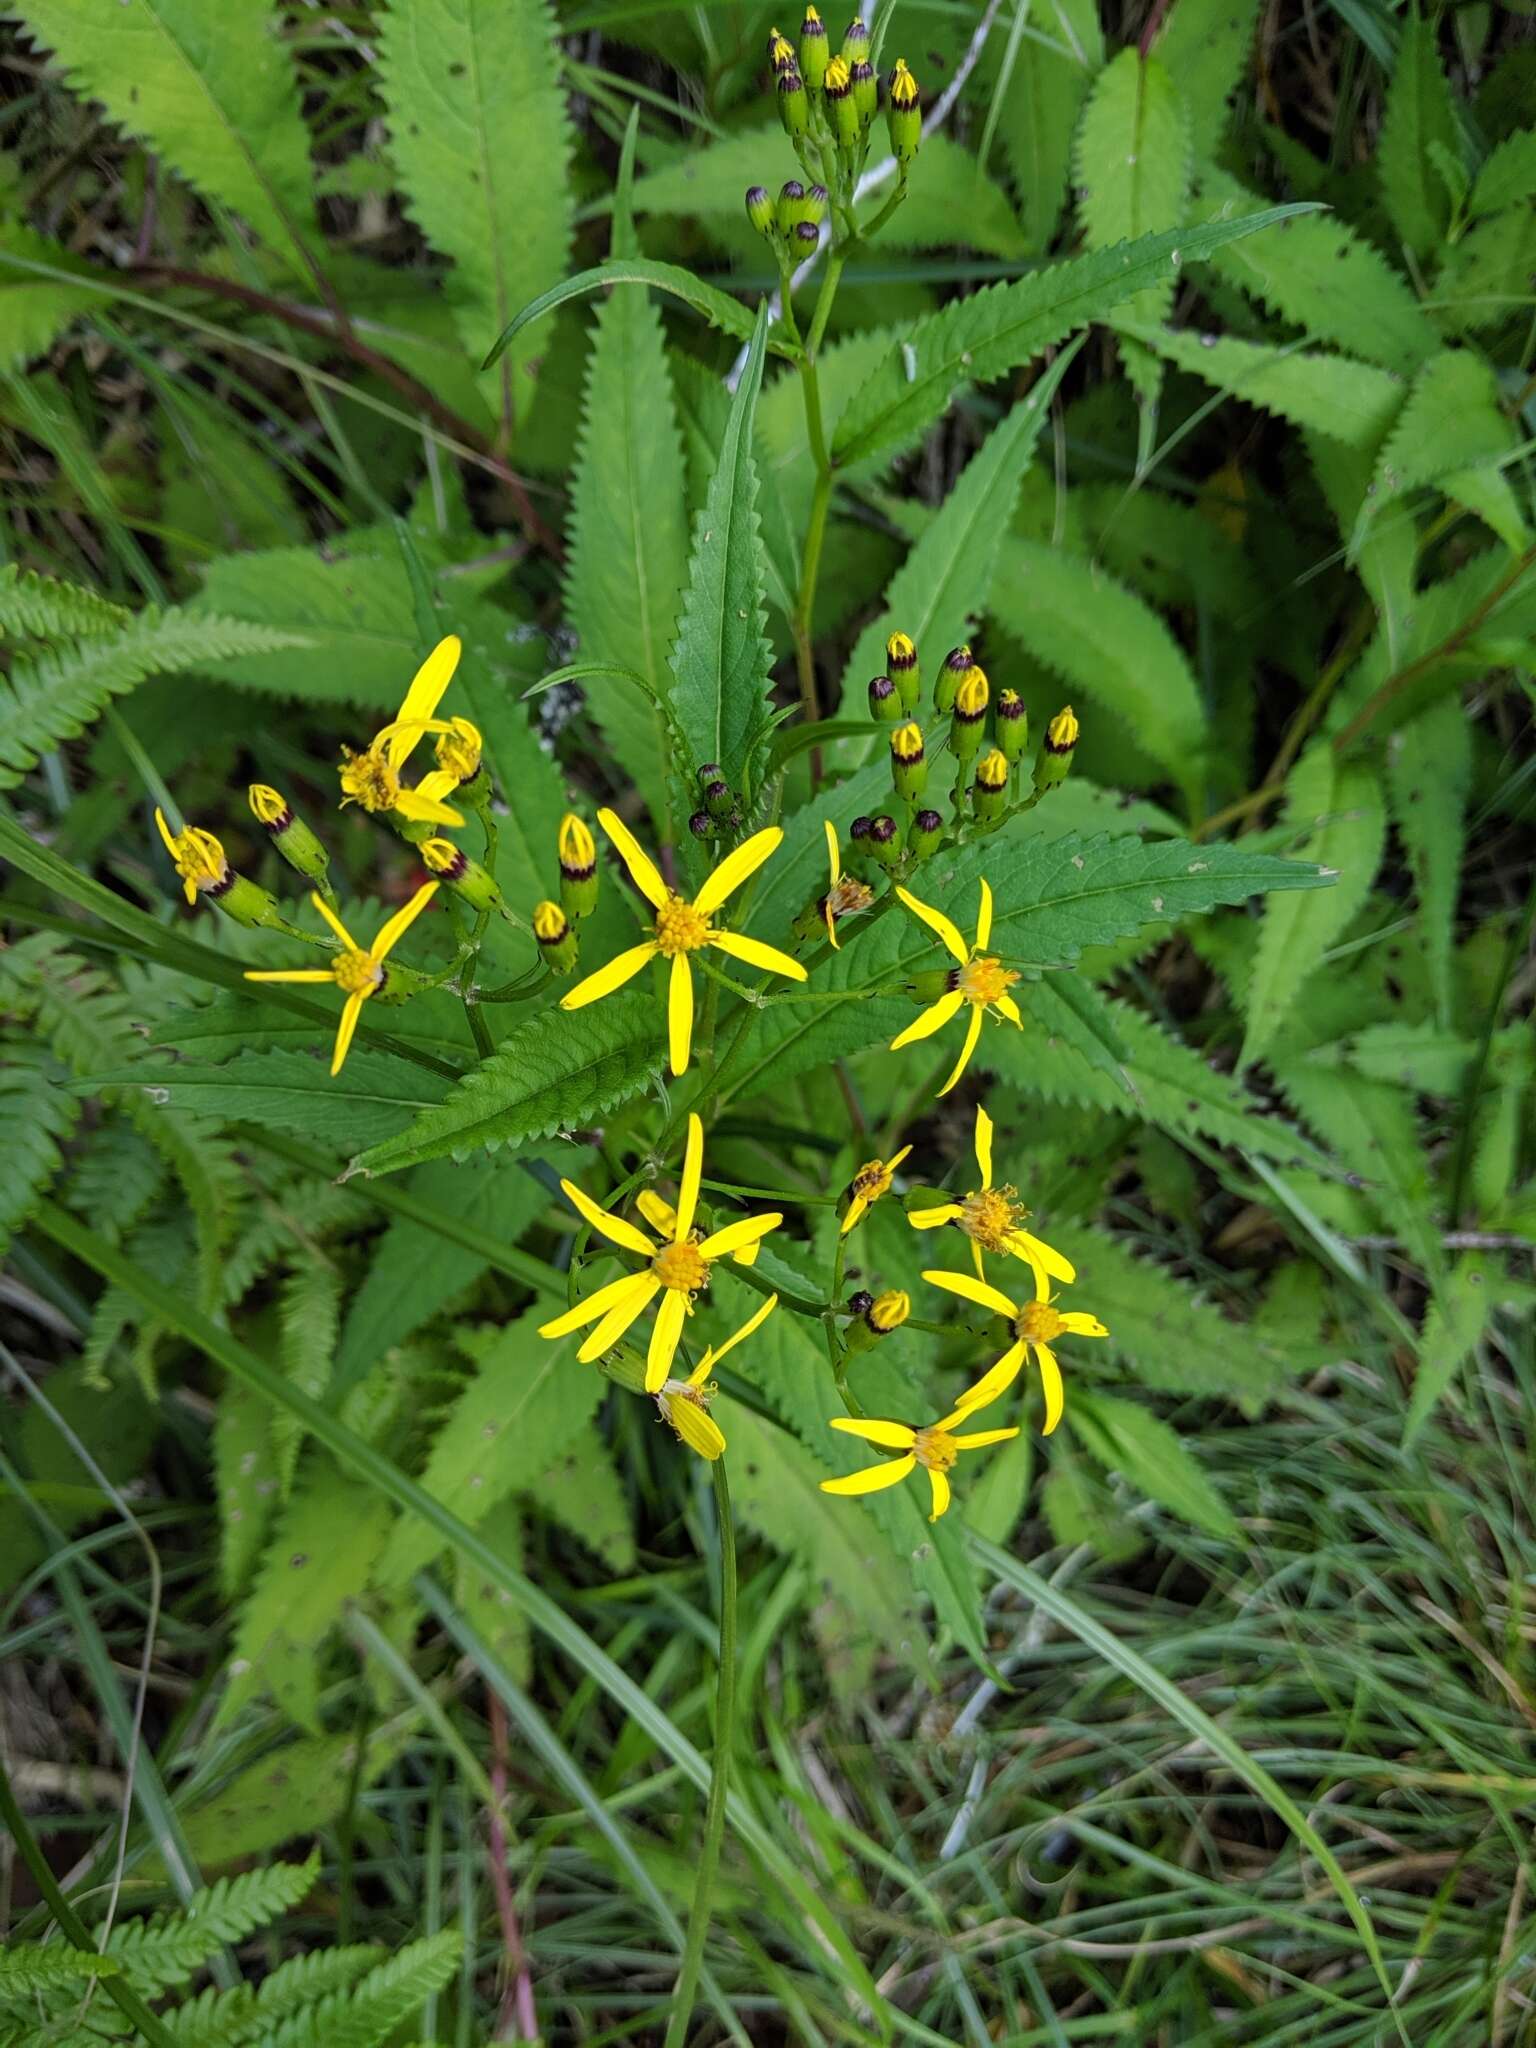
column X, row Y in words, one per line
column 889, row 207
column 123, row 1996
column 719, row 1782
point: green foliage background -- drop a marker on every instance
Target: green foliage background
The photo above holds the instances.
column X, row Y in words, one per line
column 1207, row 1720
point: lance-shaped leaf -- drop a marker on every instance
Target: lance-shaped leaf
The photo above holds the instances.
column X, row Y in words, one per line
column 719, row 310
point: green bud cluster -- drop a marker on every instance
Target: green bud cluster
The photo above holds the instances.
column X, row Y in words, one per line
column 827, row 104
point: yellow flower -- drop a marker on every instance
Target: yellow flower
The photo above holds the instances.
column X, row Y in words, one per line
column 358, row 971
column 373, row 779
column 682, row 928
column 934, row 1447
column 676, row 1269
column 845, row 896
column 1036, row 1326
column 198, row 856
column 872, row 1180
column 991, row 1217
column 980, row 979
column 685, row 1403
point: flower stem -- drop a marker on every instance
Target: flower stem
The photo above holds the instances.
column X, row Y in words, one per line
column 719, row 1783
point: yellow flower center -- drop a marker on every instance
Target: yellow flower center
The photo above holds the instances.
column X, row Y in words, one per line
column 368, row 779
column 1038, row 1323
column 934, row 1450
column 358, row 974
column 983, row 979
column 990, row 1215
column 681, row 1267
column 459, row 751
column 680, row 928
column 872, row 1180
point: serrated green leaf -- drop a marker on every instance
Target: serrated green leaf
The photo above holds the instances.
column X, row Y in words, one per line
column 488, row 1608
column 1429, row 773
column 721, row 662
column 458, row 78
column 28, row 1966
column 993, row 331
column 212, row 93
column 372, row 1097
column 1131, row 1440
column 372, row 2011
column 36, row 1115
column 1486, row 275
column 1099, row 637
column 527, row 1401
column 1336, row 810
column 1370, row 1127
column 1508, row 176
column 581, row 1489
column 1172, row 1338
column 245, row 1468
column 1329, row 394
column 1052, row 68
column 1451, row 420
column 1418, row 116
column 549, row 1073
column 1204, row 49
column 309, row 1320
column 289, row 1792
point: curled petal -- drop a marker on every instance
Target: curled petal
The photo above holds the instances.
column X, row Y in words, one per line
column 697, row 1428
column 1050, row 1386
column 351, row 1010
column 939, row 1482
column 994, row 1381
column 391, row 933
column 658, row 1212
column 931, row 1219
column 1080, row 1325
column 972, row 1033
column 979, row 1291
column 1043, row 1257
column 980, row 1438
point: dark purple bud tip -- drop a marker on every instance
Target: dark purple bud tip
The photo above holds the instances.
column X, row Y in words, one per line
column 882, row 830
column 861, row 827
column 711, row 772
column 959, row 659
column 1010, row 704
column 861, row 1303
column 805, row 234
column 928, row 821
column 880, row 687
column 792, row 189
column 701, row 825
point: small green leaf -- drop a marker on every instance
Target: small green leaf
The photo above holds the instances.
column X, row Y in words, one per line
column 1419, row 114
column 1131, row 1440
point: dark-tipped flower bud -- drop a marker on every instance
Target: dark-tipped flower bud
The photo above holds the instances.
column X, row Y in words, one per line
column 781, row 51
column 794, row 105
column 989, row 792
column 884, row 700
column 814, row 49
column 884, row 840
column 806, row 237
column 198, row 858
column 956, row 662
column 790, row 210
column 861, row 827
column 877, row 1316
column 718, row 800
column 578, row 866
column 866, row 93
column 838, row 87
column 909, row 761
column 556, row 936
column 816, row 205
column 760, row 209
column 905, row 670
column 288, row 832
column 465, row 877
column 969, row 719
column 855, row 48
column 924, row 834
column 1012, row 724
column 903, row 115
column 701, row 825
column 860, row 1303
column 1053, row 763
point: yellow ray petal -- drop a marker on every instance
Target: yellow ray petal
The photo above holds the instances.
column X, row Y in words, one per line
column 939, row 1481
column 698, row 1430
column 936, row 921
column 833, row 854
column 931, row 1219
column 621, row 968
column 643, row 870
column 626, row 1310
column 692, row 1175
column 351, row 1010
column 934, row 1018
column 289, row 974
column 984, row 1145
column 1042, row 1256
column 996, row 1380
column 1010, row 1010
column 745, row 1230
column 1081, row 1325
column 334, row 922
column 856, row 1209
column 666, row 1333
column 892, row 1436
column 756, row 954
column 736, row 867
column 979, row 1439
column 168, row 835
column 680, row 1013
column 426, row 807
column 614, row 1228
column 984, row 917
column 391, row 933
column 424, row 696
column 978, row 1291
column 972, row 1033
column 660, row 1214
column 592, row 1308
column 1051, row 1387
column 873, row 1480
column 712, row 1358
column 896, row 1158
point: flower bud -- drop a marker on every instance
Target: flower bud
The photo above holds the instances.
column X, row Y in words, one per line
column 794, row 106
column 557, row 941
column 956, row 662
column 924, row 834
column 760, row 210
column 885, row 840
column 1053, row 763
column 904, row 670
column 199, row 860
column 814, row 49
column 578, row 866
column 838, row 87
column 1012, row 724
column 465, row 877
column 903, row 115
column 866, row 93
column 860, row 1303
column 701, row 825
column 969, row 719
column 458, row 752
column 909, row 761
column 790, row 209
column 884, row 700
column 861, row 827
column 877, row 1316
column 805, row 238
column 816, row 205
column 718, row 800
column 781, row 51
column 855, row 48
column 989, row 792
column 249, row 904
column 288, row 832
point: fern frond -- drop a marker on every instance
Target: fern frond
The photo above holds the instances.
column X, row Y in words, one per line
column 368, row 2014
column 34, row 607
column 30, row 1966
column 229, row 2019
column 36, row 1115
column 168, row 1948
